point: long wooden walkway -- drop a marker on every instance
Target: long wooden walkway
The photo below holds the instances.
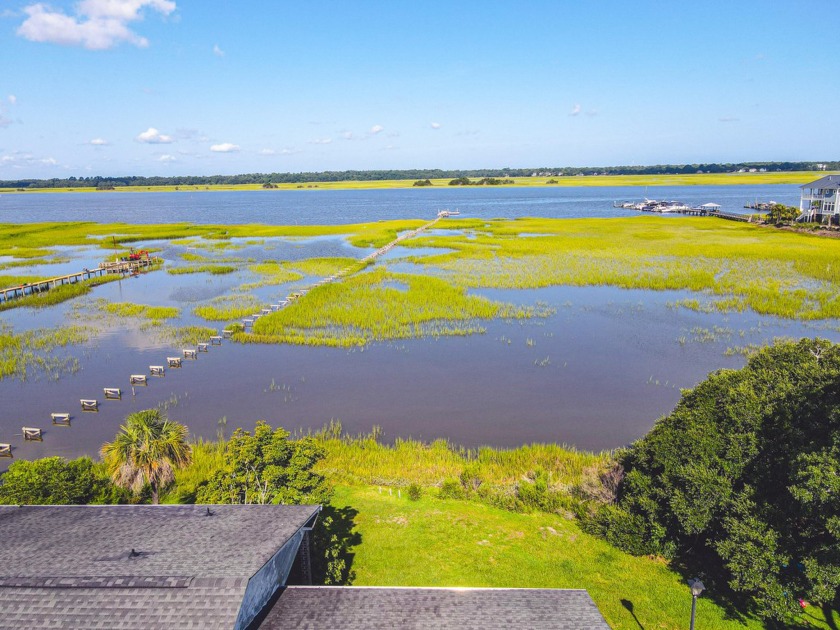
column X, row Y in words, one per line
column 347, row 271
column 104, row 268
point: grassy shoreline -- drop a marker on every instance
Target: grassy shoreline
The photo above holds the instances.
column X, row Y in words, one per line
column 478, row 539
column 694, row 179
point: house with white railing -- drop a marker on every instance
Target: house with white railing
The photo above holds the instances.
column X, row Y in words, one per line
column 820, row 200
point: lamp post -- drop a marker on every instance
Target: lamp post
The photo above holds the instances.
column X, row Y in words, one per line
column 696, row 587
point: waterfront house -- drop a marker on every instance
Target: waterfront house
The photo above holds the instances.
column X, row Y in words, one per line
column 820, row 200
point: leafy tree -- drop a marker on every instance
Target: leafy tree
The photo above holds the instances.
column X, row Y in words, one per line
column 267, row 467
column 147, row 450
column 742, row 480
column 56, row 481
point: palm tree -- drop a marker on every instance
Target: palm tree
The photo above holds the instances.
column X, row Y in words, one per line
column 147, row 450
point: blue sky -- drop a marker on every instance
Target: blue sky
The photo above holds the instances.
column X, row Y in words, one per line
column 115, row 87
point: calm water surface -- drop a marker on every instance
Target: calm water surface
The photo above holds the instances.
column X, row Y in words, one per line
column 596, row 374
column 327, row 207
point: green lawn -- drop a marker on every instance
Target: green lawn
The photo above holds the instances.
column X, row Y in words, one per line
column 436, row 542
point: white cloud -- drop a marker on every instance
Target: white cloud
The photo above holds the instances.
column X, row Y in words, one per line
column 376, row 129
column 435, row 125
column 289, row 151
column 50, row 161
column 99, row 142
column 347, row 135
column 153, row 136
column 267, row 152
column 96, row 25
column 321, row 141
column 12, row 99
column 167, row 158
column 218, row 51
column 575, row 110
column 225, row 147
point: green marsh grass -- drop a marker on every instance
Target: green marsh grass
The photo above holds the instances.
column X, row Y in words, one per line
column 57, row 295
column 216, row 270
column 693, row 179
column 143, row 311
column 366, row 307
column 271, row 274
column 31, row 352
column 229, row 307
column 739, row 265
column 321, row 266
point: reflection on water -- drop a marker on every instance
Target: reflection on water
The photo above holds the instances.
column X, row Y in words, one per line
column 595, row 374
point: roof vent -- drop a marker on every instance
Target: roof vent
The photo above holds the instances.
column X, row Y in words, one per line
column 209, row 512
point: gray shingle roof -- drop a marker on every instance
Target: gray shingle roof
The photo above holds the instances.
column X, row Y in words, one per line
column 73, row 567
column 301, row 607
column 829, row 181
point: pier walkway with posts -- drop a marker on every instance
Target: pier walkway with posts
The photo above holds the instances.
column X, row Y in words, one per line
column 115, row 393
column 732, row 216
column 104, row 268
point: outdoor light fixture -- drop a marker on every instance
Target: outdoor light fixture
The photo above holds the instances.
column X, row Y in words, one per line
column 696, row 587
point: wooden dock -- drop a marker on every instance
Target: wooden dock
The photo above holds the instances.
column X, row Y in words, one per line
column 105, row 268
column 732, row 216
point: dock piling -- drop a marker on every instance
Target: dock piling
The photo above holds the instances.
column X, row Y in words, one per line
column 31, row 434
column 62, row 419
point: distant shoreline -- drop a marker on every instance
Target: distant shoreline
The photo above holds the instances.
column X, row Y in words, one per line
column 696, row 179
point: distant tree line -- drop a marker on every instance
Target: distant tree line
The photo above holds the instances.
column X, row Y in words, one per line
column 106, row 183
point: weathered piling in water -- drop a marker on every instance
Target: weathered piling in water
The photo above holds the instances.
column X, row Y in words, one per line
column 112, row 393
column 202, row 347
column 89, row 404
column 62, row 419
column 5, row 450
column 156, row 370
column 174, row 362
column 137, row 379
column 190, row 353
column 32, row 434
column 215, row 340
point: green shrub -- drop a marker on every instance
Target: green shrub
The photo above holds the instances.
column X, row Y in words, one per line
column 451, row 489
column 414, row 492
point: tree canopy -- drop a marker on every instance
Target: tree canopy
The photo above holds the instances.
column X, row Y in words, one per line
column 267, row 467
column 742, row 481
column 111, row 183
column 56, row 481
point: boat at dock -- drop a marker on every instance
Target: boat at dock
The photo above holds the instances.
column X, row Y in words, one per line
column 667, row 207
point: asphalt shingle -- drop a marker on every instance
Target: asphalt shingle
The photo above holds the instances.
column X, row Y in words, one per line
column 356, row 608
column 135, row 566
